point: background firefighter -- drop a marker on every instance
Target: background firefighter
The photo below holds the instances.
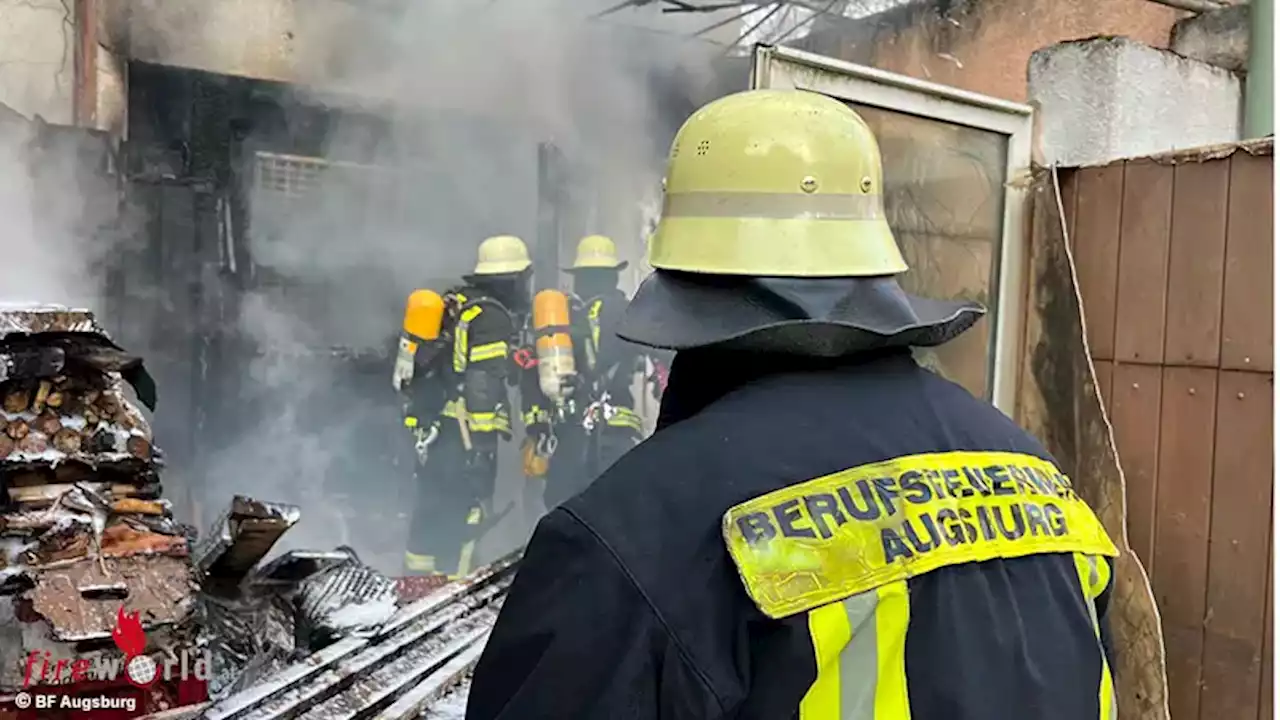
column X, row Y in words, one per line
column 606, row 425
column 820, row 529
column 457, row 452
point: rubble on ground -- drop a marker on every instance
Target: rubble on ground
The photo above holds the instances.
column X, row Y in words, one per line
column 415, row 664
column 84, row 530
column 259, row 617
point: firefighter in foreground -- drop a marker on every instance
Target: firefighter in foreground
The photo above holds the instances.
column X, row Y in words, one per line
column 820, row 528
column 458, row 402
column 604, row 425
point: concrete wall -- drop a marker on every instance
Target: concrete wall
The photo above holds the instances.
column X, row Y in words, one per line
column 36, row 58
column 1104, row 99
column 265, row 39
column 984, row 45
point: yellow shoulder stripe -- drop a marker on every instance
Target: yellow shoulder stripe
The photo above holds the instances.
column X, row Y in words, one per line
column 825, row 539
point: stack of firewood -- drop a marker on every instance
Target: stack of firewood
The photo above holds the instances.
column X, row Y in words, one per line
column 73, row 417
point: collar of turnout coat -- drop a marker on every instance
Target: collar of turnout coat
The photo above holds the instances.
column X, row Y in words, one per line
column 700, row 377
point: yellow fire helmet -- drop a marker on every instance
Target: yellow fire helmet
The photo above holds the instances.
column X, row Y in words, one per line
column 502, row 255
column 782, row 191
column 596, row 251
column 775, row 183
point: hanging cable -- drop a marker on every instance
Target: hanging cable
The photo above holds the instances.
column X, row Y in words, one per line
column 767, row 16
column 813, row 16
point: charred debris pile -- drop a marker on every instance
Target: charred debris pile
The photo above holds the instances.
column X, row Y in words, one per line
column 260, row 617
column 84, row 529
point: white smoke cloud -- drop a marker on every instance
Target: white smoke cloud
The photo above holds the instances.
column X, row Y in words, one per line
column 441, row 107
column 54, row 207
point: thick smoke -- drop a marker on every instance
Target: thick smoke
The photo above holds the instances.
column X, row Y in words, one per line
column 57, row 206
column 441, row 109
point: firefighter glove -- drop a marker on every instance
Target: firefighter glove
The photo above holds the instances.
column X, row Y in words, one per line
column 423, row 437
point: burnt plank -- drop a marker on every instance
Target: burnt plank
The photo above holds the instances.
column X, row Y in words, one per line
column 1097, row 252
column 1197, row 244
column 1135, row 418
column 1238, row 547
column 1142, row 274
column 1247, row 292
column 1181, row 552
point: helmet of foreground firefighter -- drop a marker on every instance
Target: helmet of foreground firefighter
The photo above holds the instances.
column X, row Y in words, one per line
column 773, row 238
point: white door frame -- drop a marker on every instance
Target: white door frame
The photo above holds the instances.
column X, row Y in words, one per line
column 783, row 67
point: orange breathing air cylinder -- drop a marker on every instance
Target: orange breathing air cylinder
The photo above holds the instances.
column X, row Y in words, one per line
column 423, row 316
column 555, row 348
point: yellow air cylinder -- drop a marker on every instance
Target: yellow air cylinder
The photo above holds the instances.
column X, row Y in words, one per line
column 555, row 348
column 423, row 316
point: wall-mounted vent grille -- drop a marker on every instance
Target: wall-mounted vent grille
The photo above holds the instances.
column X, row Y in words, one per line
column 295, row 176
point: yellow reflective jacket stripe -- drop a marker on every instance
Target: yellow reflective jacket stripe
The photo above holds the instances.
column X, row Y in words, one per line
column 593, row 321
column 860, row 652
column 460, row 355
column 1095, row 574
column 489, row 351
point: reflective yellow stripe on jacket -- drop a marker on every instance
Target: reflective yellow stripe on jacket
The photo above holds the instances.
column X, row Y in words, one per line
column 593, row 322
column 460, row 354
column 842, row 548
column 1095, row 575
column 860, row 649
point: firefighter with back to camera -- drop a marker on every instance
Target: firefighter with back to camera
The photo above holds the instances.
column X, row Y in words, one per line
column 458, row 347
column 820, row 528
column 605, row 424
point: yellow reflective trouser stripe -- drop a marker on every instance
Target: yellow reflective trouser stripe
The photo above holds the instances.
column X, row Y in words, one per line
column 419, row 563
column 860, row 652
column 468, row 548
column 1095, row 573
column 489, row 351
column 626, row 418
